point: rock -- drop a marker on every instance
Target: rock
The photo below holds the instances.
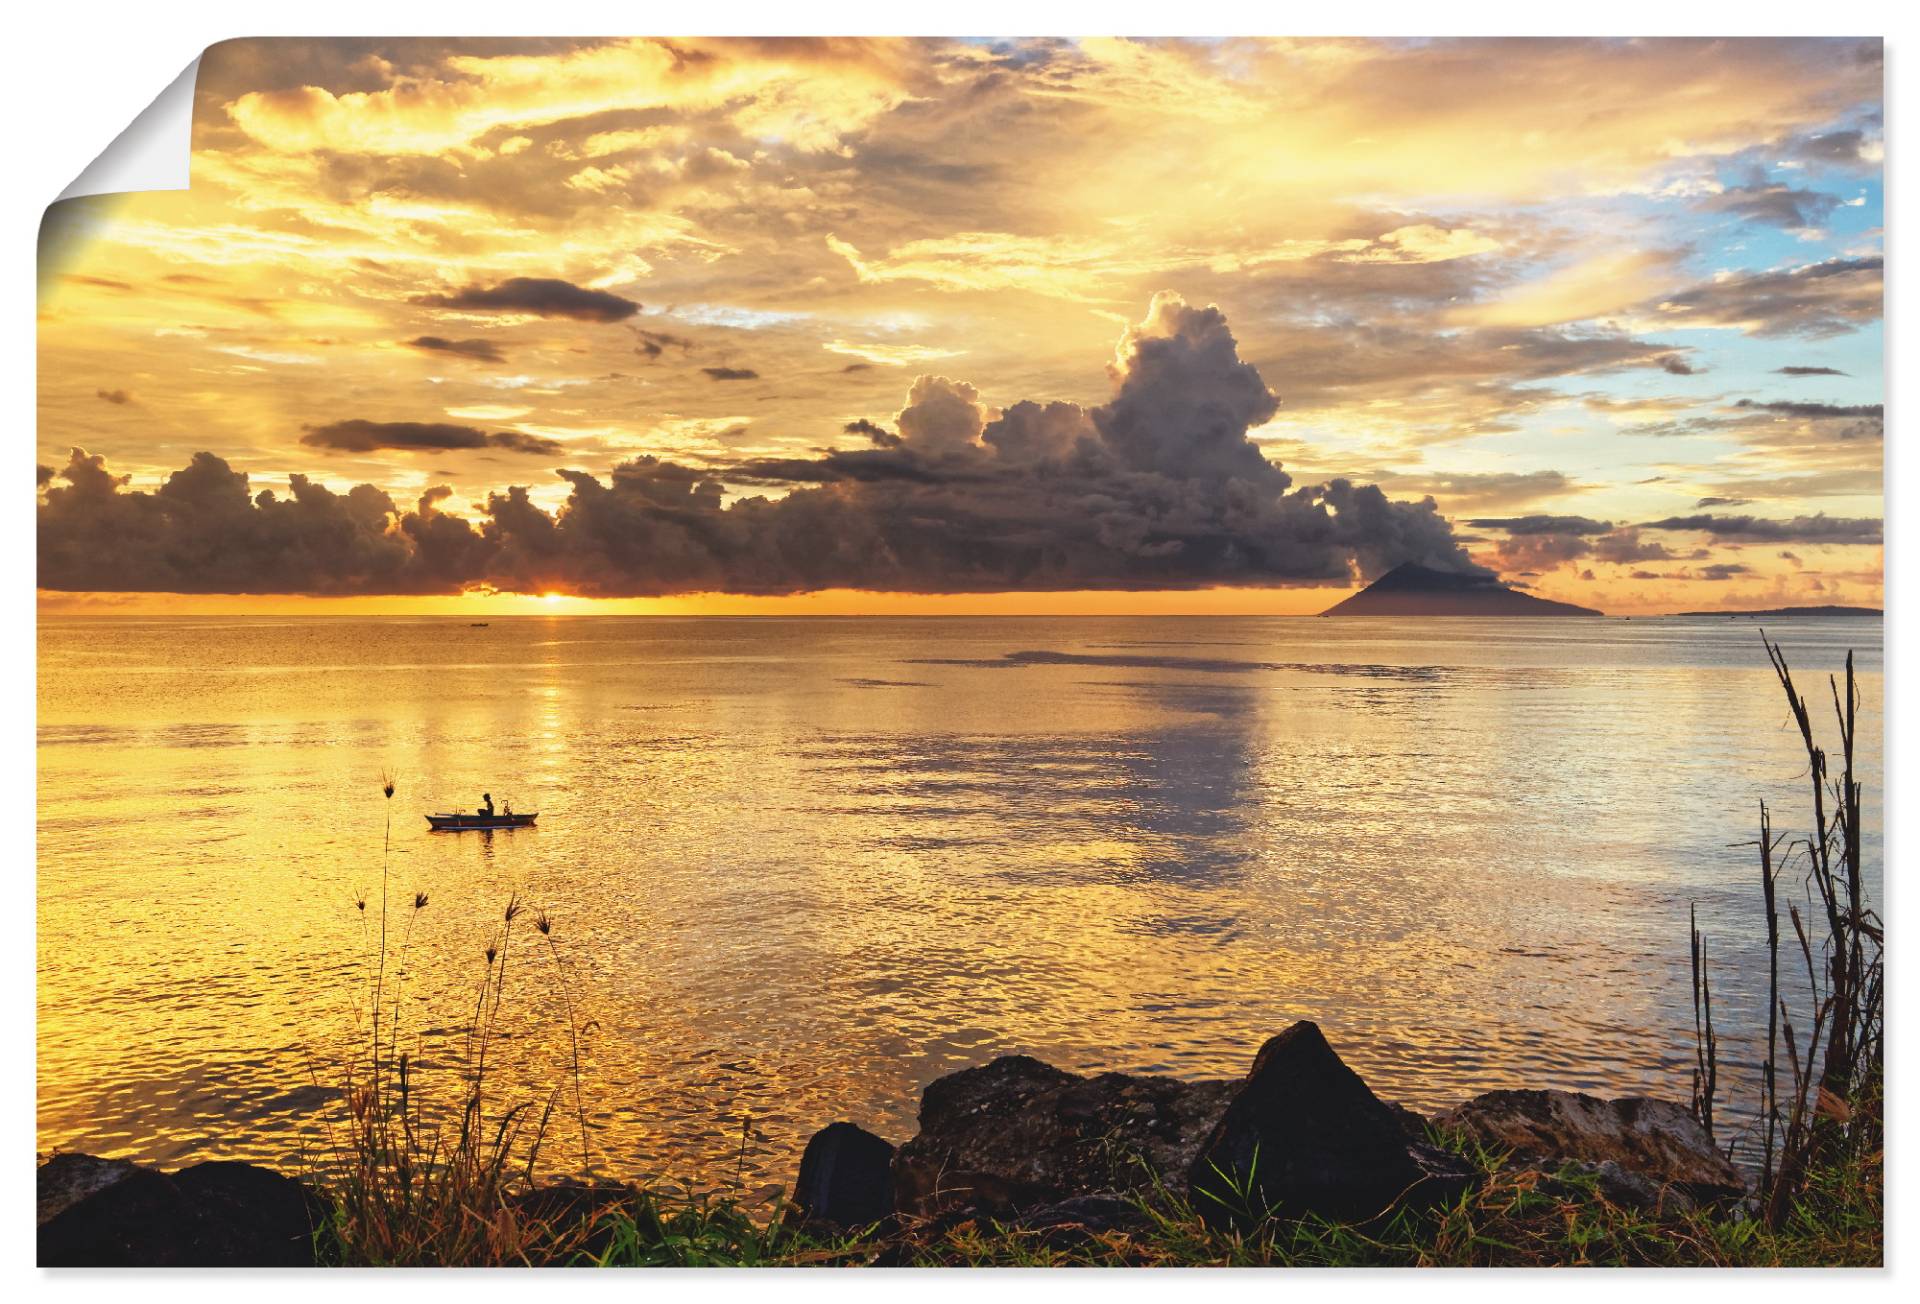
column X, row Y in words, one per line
column 574, row 1207
column 1642, row 1139
column 214, row 1215
column 65, row 1180
column 1304, row 1135
column 1083, row 1218
column 1017, row 1134
column 846, row 1178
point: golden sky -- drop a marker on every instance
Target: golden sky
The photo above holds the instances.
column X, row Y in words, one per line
column 946, row 326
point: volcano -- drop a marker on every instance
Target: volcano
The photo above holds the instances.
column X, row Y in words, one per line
column 1411, row 589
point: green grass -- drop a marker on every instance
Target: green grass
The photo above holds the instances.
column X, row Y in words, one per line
column 1516, row 1217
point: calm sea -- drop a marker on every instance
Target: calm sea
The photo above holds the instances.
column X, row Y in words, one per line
column 796, row 869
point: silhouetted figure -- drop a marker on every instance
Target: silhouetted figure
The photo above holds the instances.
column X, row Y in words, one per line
column 487, row 809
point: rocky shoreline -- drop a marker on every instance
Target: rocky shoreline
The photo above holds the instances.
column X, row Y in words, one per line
column 1016, row 1142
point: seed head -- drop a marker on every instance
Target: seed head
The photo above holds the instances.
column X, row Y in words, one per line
column 541, row 922
column 513, row 909
column 386, row 784
column 360, row 904
column 492, row 951
column 419, row 900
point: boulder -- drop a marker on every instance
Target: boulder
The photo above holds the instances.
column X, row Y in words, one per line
column 213, row 1215
column 1635, row 1137
column 65, row 1180
column 1304, row 1135
column 846, row 1178
column 1017, row 1134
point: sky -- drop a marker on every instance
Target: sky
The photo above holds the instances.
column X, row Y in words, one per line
column 957, row 326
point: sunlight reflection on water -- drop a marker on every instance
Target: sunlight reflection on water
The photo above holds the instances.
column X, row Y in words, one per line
column 800, row 868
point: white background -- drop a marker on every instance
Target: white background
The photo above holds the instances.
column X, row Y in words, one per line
column 80, row 72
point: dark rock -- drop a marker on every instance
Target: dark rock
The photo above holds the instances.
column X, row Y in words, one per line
column 1017, row 1134
column 1305, row 1135
column 1080, row 1218
column 846, row 1178
column 577, row 1208
column 1657, row 1148
column 65, row 1180
column 215, row 1215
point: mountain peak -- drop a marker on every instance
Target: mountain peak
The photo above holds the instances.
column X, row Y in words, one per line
column 1411, row 589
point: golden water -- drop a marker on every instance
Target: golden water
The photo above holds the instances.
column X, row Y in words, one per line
column 799, row 868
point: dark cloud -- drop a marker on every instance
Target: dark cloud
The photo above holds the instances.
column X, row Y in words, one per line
column 1625, row 547
column 1675, row 365
column 730, row 373
column 856, row 366
column 1819, row 299
column 1542, row 524
column 1723, row 502
column 541, row 296
column 117, row 397
column 1720, row 571
column 1829, row 147
column 478, row 350
column 1819, row 528
column 1159, row 487
column 654, row 343
column 879, row 436
column 1772, row 204
column 1807, row 371
column 1815, row 411
column 360, row 436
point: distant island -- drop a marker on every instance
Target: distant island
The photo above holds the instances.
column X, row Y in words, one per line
column 1775, row 612
column 1411, row 589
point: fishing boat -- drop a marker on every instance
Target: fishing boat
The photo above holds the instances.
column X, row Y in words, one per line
column 504, row 820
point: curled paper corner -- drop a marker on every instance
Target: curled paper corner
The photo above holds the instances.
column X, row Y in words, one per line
column 154, row 152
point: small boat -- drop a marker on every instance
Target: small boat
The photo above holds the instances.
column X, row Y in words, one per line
column 504, row 820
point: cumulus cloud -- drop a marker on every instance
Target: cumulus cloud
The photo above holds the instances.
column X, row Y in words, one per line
column 478, row 350
column 1158, row 487
column 538, row 296
column 1675, row 365
column 361, row 436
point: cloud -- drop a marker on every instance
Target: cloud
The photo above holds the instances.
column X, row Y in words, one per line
column 1819, row 528
column 1723, row 502
column 1469, row 490
column 1815, row 411
column 478, row 350
column 1675, row 365
column 117, row 397
column 1772, row 204
column 730, row 373
column 1808, row 371
column 878, row 435
column 361, row 436
column 1158, row 487
column 1812, row 301
column 654, row 343
column 1543, row 524
column 539, row 296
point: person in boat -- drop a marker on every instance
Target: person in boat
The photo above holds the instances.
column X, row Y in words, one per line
column 486, row 810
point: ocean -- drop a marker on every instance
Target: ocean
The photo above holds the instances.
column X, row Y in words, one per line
column 796, row 869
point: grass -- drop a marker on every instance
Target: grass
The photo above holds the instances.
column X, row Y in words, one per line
column 412, row 1184
column 1516, row 1217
